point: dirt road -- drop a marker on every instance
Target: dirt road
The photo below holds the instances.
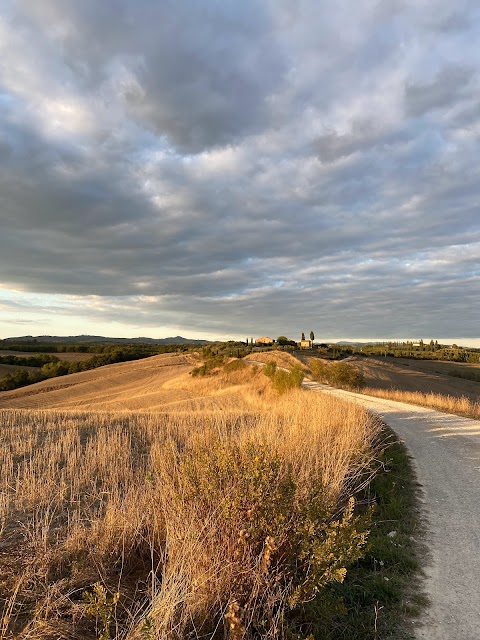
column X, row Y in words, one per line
column 446, row 452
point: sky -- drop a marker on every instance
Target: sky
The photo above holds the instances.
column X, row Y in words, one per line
column 225, row 169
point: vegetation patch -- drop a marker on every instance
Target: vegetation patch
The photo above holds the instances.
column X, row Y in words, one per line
column 382, row 595
column 210, row 367
column 419, row 350
column 338, row 374
column 466, row 374
column 102, row 354
column 283, row 380
column 181, row 524
column 449, row 404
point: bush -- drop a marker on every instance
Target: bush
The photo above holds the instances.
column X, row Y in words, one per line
column 338, row 374
column 209, row 367
column 281, row 541
column 270, row 369
column 284, row 380
column 229, row 514
column 54, row 369
column 296, row 375
column 234, row 366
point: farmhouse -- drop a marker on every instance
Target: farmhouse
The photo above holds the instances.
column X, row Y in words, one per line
column 305, row 344
column 265, row 340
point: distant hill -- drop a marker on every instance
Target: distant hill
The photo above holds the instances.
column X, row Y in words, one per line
column 356, row 344
column 103, row 339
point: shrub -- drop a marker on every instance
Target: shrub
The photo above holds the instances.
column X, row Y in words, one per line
column 209, row 367
column 296, row 376
column 227, row 513
column 338, row 374
column 54, row 369
column 270, row 369
column 234, row 365
column 284, row 380
column 281, row 540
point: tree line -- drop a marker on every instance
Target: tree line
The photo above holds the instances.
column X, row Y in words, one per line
column 431, row 350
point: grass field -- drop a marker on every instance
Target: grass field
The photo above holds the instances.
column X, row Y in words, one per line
column 280, row 358
column 421, row 376
column 461, row 406
column 211, row 508
column 134, row 385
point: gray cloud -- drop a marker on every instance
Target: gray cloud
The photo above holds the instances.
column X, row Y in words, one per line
column 268, row 166
column 444, row 90
column 197, row 74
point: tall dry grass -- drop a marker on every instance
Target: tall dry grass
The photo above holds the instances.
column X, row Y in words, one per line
column 198, row 519
column 449, row 404
column 281, row 359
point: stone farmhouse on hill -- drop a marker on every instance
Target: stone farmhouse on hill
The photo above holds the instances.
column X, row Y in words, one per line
column 266, row 341
column 305, row 344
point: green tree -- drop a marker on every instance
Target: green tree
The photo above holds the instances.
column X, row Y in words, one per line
column 283, row 340
column 303, row 336
column 312, row 336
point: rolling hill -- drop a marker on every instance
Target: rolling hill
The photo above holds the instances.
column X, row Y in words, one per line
column 136, row 385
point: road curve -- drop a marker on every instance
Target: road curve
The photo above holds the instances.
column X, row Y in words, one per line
column 446, row 453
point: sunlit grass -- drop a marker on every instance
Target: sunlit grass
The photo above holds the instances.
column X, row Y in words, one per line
column 199, row 517
column 460, row 406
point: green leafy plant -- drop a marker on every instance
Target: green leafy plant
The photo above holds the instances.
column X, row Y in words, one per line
column 338, row 374
column 209, row 367
column 101, row 605
column 270, row 369
column 283, row 380
column 288, row 537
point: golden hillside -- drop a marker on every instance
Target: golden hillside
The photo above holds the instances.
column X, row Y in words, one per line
column 137, row 385
column 159, row 383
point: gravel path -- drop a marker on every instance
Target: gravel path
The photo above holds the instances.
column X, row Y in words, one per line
column 446, row 452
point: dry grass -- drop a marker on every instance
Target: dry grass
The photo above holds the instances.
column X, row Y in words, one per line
column 460, row 406
column 159, row 507
column 424, row 376
column 137, row 385
column 281, row 359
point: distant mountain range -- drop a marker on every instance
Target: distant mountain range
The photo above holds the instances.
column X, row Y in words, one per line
column 93, row 339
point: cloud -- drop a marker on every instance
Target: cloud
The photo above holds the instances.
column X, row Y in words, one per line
column 227, row 168
column 447, row 86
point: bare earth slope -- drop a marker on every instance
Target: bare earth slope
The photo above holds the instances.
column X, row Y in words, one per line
column 137, row 385
column 446, row 451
